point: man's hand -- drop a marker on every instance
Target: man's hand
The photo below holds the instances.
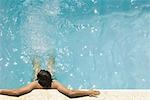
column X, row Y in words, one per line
column 93, row 93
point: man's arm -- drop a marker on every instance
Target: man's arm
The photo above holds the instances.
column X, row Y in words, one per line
column 74, row 93
column 20, row 91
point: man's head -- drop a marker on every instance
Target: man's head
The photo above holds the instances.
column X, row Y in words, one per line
column 44, row 78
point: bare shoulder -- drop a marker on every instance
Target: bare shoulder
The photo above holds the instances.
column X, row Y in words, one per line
column 55, row 84
column 35, row 85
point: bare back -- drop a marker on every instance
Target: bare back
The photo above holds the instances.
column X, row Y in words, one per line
column 53, row 85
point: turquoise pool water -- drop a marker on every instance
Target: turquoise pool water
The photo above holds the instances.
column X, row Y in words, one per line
column 97, row 43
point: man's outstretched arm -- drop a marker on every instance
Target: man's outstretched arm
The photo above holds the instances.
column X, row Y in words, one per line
column 74, row 93
column 20, row 91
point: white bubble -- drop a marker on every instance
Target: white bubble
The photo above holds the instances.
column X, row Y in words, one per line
column 23, row 72
column 21, row 80
column 96, row 29
column 116, row 73
column 132, row 1
column 25, row 59
column 85, row 46
column 94, row 1
column 101, row 54
column 15, row 49
column 80, row 87
column 143, row 80
column 15, row 19
column 1, row 34
column 68, row 54
column 71, row 74
column 6, row 64
column 21, row 57
column 136, row 7
column 1, row 59
column 15, row 63
column 95, row 11
column 81, row 55
column 77, row 69
column 8, row 59
column 26, row 62
column 93, row 29
column 93, row 86
column 118, row 63
column 23, row 52
column 12, row 72
column 82, row 26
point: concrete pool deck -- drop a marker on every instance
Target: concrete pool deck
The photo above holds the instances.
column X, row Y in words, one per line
column 105, row 95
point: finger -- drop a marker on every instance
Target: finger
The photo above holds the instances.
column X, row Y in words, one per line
column 92, row 95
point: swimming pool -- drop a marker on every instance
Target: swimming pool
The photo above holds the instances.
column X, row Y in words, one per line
column 97, row 43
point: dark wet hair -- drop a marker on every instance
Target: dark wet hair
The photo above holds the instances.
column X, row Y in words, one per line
column 44, row 78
